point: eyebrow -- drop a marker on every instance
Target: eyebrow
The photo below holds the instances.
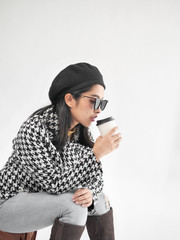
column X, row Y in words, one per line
column 94, row 95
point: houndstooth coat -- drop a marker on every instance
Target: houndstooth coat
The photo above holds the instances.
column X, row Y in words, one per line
column 35, row 164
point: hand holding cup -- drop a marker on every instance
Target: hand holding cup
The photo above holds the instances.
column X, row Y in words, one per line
column 109, row 139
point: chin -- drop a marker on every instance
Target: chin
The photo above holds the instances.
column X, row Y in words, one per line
column 86, row 124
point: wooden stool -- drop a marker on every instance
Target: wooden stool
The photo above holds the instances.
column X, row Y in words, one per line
column 18, row 236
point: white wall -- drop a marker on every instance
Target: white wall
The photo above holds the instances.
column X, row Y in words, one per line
column 135, row 44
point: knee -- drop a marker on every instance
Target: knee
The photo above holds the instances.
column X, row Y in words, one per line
column 102, row 206
column 77, row 215
column 106, row 201
column 73, row 213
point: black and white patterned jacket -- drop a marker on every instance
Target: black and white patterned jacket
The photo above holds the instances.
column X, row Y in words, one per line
column 35, row 165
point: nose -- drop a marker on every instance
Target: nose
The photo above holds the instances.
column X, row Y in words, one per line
column 98, row 110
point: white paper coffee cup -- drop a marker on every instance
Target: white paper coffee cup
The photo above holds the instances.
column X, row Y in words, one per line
column 105, row 125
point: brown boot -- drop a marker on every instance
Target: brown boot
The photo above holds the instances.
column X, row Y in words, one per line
column 65, row 231
column 101, row 227
column 17, row 236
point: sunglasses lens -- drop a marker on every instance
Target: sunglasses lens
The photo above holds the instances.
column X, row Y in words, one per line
column 103, row 104
column 100, row 103
column 97, row 104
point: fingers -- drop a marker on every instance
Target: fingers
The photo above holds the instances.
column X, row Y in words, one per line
column 80, row 192
column 112, row 131
column 116, row 140
column 106, row 144
column 84, row 203
column 87, row 204
column 116, row 136
column 83, row 197
column 116, row 146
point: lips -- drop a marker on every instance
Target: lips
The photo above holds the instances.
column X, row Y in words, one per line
column 92, row 118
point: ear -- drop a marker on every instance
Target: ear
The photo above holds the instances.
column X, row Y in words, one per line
column 69, row 100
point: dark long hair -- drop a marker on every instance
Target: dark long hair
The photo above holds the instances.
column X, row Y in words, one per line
column 65, row 120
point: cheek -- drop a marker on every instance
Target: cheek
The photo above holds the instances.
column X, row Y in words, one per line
column 88, row 108
column 85, row 108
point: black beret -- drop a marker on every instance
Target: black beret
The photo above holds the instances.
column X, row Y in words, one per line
column 74, row 77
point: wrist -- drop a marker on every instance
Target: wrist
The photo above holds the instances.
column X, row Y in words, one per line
column 97, row 155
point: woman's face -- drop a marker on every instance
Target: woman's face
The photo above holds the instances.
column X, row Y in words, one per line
column 82, row 110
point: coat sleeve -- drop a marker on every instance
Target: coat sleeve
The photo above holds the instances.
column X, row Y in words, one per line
column 95, row 179
column 90, row 170
column 52, row 172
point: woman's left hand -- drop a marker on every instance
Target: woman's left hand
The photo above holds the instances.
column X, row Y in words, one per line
column 83, row 196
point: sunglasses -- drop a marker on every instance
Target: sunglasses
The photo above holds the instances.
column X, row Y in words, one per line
column 98, row 102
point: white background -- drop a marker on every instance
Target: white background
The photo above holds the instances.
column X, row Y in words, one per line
column 136, row 46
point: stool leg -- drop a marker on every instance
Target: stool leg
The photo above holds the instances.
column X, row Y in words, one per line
column 17, row 236
column 31, row 235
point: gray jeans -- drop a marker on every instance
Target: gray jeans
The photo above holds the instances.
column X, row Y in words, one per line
column 27, row 212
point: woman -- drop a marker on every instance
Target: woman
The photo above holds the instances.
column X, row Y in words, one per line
column 54, row 175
